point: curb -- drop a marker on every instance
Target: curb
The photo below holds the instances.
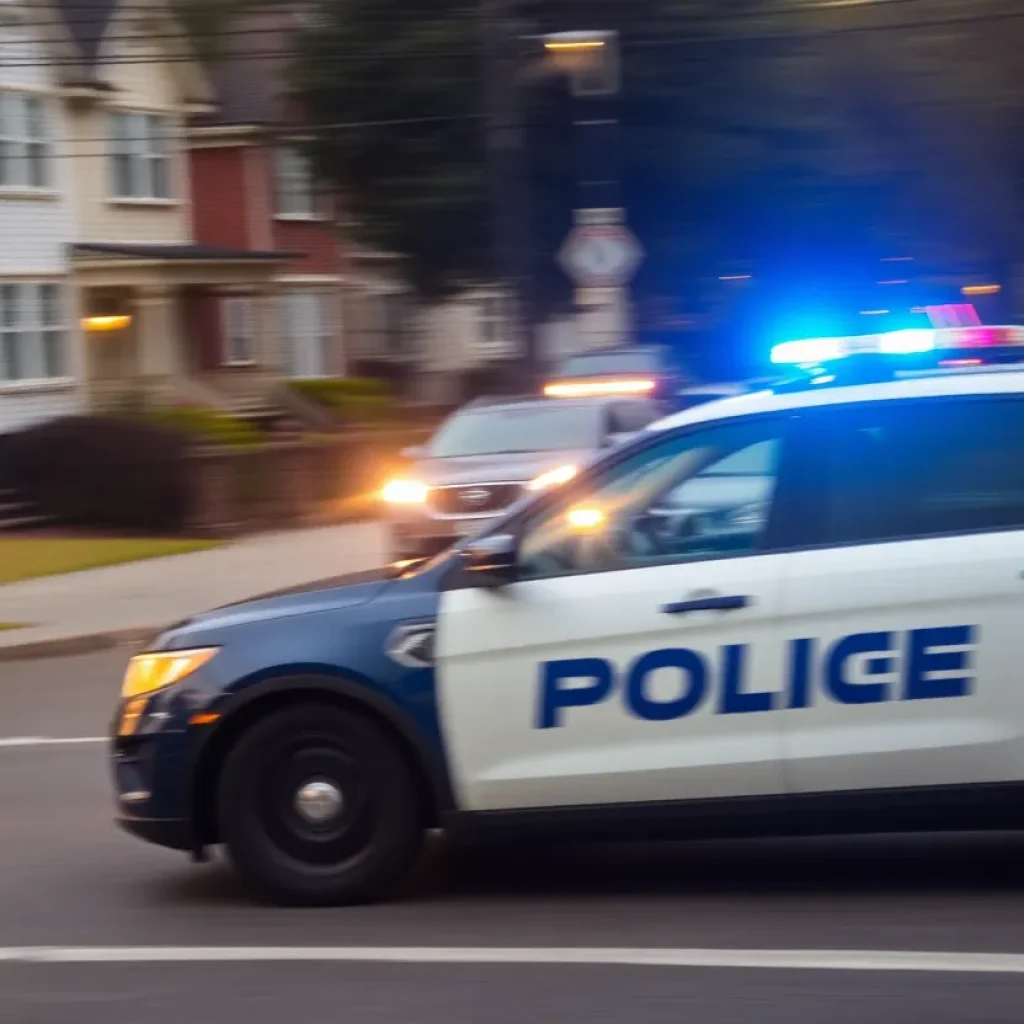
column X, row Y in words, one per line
column 91, row 643
column 87, row 643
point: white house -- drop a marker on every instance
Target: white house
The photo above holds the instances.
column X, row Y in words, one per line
column 40, row 344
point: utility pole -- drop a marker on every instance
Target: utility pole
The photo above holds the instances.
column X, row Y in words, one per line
column 501, row 52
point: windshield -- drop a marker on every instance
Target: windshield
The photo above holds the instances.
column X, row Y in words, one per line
column 610, row 362
column 530, row 428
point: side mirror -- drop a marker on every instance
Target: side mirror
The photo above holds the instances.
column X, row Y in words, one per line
column 412, row 453
column 491, row 560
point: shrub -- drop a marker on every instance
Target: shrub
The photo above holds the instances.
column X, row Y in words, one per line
column 204, row 425
column 353, row 400
column 103, row 471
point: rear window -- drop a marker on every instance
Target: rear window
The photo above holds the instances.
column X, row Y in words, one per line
column 899, row 471
column 543, row 427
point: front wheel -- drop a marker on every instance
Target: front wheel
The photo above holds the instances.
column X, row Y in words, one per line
column 318, row 807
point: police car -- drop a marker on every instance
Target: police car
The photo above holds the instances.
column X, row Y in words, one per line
column 793, row 611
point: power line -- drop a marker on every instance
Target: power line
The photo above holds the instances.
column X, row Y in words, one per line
column 664, row 40
column 234, row 32
column 281, row 133
column 180, row 58
column 795, row 9
column 805, row 34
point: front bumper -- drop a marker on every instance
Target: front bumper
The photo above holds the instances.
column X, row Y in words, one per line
column 426, row 536
column 174, row 833
column 151, row 776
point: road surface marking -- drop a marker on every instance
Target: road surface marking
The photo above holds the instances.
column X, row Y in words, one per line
column 792, row 959
column 46, row 741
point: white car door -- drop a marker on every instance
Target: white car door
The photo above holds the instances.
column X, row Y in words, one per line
column 905, row 620
column 636, row 657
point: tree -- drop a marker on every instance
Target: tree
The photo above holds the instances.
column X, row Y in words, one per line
column 803, row 139
column 413, row 168
column 934, row 92
column 705, row 112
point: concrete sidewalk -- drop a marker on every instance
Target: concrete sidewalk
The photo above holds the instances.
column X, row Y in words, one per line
column 99, row 608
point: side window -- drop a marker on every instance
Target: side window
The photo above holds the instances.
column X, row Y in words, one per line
column 922, row 470
column 631, row 417
column 704, row 494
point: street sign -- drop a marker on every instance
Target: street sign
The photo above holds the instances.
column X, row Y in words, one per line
column 600, row 255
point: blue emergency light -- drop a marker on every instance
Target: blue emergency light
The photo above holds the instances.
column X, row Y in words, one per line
column 968, row 345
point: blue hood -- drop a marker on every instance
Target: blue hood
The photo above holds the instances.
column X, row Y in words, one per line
column 313, row 597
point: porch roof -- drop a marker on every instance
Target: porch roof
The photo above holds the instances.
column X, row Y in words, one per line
column 185, row 251
column 175, row 263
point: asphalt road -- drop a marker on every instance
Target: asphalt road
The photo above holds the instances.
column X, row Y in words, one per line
column 69, row 879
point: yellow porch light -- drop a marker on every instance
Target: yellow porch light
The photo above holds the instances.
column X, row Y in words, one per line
column 105, row 323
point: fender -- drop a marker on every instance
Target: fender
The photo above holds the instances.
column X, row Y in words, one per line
column 206, row 743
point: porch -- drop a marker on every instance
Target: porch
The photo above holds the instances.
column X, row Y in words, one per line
column 182, row 324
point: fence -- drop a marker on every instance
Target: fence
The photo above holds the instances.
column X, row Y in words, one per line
column 293, row 483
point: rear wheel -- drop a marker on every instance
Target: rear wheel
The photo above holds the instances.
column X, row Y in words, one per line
column 318, row 807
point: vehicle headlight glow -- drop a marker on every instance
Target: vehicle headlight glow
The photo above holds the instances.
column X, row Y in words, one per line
column 552, row 478
column 405, row 492
column 148, row 673
column 585, row 518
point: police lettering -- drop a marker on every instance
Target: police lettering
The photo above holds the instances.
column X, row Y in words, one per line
column 864, row 668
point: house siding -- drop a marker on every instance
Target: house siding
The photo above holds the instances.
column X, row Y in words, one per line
column 220, row 197
column 36, row 229
column 132, row 65
column 318, row 243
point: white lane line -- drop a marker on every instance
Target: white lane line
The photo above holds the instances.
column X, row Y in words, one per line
column 791, row 959
column 46, row 741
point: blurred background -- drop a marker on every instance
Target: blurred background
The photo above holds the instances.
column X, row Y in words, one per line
column 252, row 250
column 253, row 253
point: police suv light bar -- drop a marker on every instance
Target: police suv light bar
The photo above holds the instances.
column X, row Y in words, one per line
column 809, row 352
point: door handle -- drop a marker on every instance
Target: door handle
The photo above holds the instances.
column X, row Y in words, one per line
column 707, row 604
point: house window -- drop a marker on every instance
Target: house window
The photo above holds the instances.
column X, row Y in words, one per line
column 33, row 329
column 394, row 323
column 309, row 327
column 491, row 329
column 239, row 330
column 140, row 165
column 25, row 145
column 293, row 185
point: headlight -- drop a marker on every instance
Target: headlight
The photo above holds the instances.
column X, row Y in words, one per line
column 585, row 518
column 552, row 478
column 148, row 673
column 405, row 492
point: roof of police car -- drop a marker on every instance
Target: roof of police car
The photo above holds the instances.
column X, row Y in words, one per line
column 987, row 381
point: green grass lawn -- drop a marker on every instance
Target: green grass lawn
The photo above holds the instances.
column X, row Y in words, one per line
column 29, row 557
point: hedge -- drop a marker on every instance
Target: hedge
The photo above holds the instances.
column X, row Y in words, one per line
column 203, row 425
column 353, row 400
column 103, row 471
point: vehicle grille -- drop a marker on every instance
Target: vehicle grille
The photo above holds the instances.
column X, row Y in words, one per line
column 473, row 499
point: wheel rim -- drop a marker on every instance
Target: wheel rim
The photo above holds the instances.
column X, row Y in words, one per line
column 319, row 802
column 315, row 803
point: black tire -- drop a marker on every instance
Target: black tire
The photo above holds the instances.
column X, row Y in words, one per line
column 361, row 855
